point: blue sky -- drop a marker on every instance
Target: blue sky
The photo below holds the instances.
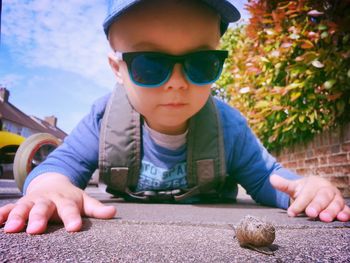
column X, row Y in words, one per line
column 53, row 56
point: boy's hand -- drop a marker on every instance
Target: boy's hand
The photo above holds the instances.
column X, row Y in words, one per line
column 52, row 197
column 315, row 196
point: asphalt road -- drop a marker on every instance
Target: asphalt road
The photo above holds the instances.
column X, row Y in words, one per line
column 175, row 233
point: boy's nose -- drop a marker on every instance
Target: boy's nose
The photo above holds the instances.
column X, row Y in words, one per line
column 177, row 79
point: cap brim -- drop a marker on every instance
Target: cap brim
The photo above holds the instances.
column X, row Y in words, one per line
column 229, row 13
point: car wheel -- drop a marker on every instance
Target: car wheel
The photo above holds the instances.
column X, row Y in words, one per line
column 31, row 153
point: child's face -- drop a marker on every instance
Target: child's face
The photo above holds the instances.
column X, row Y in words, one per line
column 172, row 27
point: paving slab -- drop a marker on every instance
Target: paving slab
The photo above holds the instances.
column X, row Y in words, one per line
column 175, row 233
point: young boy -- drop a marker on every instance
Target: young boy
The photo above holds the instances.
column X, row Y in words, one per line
column 165, row 59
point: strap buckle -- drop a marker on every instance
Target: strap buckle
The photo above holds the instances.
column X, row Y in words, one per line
column 157, row 196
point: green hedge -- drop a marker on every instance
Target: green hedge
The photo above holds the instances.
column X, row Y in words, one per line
column 289, row 69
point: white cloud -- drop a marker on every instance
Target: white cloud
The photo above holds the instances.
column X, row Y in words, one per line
column 10, row 80
column 65, row 35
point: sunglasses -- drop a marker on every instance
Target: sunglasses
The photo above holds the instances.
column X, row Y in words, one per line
column 153, row 69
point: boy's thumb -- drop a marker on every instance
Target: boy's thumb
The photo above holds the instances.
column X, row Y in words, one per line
column 94, row 208
column 282, row 184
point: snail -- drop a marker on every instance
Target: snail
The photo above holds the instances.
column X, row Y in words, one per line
column 255, row 233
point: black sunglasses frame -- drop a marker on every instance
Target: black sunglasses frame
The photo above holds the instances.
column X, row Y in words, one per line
column 128, row 58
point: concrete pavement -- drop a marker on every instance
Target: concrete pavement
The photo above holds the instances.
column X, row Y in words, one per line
column 175, row 233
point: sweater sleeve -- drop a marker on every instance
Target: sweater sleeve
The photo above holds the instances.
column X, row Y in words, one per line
column 253, row 168
column 248, row 161
column 77, row 156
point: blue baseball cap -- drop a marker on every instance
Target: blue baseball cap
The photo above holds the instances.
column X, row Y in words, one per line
column 226, row 9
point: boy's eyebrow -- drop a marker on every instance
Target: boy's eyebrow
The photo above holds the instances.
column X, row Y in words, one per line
column 145, row 46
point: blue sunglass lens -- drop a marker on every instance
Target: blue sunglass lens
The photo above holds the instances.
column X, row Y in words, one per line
column 150, row 70
column 203, row 69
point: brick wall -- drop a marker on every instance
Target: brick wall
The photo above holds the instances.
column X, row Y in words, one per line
column 327, row 155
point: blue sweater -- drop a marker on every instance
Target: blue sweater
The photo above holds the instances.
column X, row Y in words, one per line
column 247, row 161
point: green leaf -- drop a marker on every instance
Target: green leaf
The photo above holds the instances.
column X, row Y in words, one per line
column 322, row 27
column 298, row 68
column 310, row 56
column 288, row 128
column 262, row 104
column 295, row 95
column 295, row 85
column 329, row 83
column 311, row 96
column 340, row 106
column 279, row 65
column 294, row 36
column 324, row 35
column 346, row 38
column 317, row 64
column 311, row 117
column 264, row 59
column 291, row 119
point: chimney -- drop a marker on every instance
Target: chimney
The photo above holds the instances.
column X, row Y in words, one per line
column 4, row 94
column 52, row 120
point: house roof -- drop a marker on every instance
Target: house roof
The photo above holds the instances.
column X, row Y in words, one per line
column 11, row 113
column 54, row 130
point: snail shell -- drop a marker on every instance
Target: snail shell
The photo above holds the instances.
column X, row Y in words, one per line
column 255, row 232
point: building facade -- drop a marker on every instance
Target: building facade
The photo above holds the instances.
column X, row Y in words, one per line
column 14, row 120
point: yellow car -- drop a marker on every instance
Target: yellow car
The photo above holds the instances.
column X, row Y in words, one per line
column 8, row 138
column 9, row 143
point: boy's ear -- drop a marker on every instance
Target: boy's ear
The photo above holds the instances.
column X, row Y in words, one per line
column 115, row 65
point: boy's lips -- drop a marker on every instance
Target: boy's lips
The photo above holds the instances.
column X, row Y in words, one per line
column 173, row 105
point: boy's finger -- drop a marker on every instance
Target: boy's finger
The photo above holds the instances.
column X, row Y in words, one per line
column 332, row 210
column 344, row 215
column 94, row 208
column 301, row 202
column 39, row 216
column 4, row 212
column 283, row 185
column 321, row 201
column 69, row 212
column 18, row 216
